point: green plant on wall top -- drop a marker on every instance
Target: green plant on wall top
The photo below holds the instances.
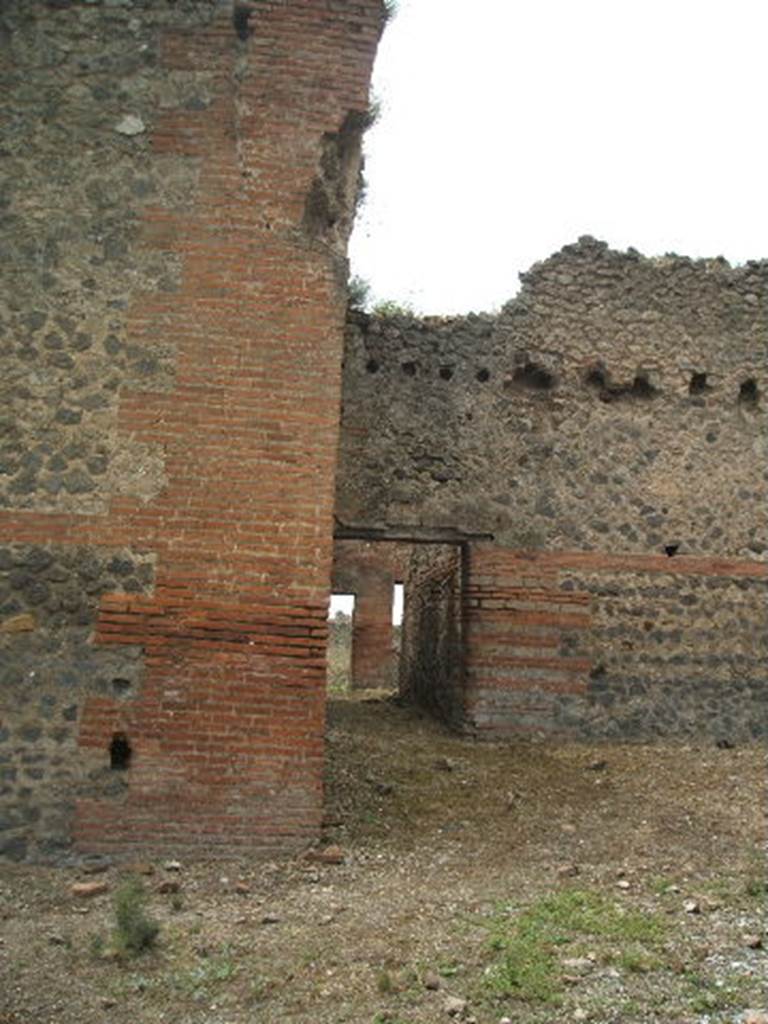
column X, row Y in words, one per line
column 358, row 292
column 392, row 308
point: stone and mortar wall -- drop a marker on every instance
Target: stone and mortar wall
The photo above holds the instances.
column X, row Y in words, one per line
column 618, row 403
column 180, row 186
column 369, row 571
column 49, row 670
column 671, row 653
column 609, row 423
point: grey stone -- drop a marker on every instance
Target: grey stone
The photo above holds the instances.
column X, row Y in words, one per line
column 77, row 481
column 129, row 124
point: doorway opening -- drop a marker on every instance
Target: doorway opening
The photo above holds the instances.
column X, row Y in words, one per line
column 341, row 617
column 406, row 636
column 398, row 611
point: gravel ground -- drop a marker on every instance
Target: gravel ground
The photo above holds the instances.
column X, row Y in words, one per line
column 530, row 882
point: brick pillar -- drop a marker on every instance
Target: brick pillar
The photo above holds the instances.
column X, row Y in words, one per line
column 373, row 660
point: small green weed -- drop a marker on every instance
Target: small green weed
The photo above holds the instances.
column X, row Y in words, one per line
column 384, row 984
column 756, row 887
column 134, row 930
column 662, row 885
column 756, row 878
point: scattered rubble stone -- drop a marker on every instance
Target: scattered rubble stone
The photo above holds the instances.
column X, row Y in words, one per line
column 130, row 125
column 455, row 1006
column 327, row 855
column 88, row 889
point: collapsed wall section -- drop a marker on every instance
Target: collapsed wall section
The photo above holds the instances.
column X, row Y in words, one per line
column 181, row 187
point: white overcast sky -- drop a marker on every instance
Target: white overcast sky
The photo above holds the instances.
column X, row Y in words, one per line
column 511, row 127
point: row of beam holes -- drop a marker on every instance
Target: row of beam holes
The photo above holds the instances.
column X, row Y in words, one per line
column 749, row 393
column 531, row 375
column 536, row 378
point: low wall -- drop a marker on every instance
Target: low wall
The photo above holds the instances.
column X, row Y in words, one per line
column 610, row 646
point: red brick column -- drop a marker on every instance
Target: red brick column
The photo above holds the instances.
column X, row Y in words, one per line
column 373, row 659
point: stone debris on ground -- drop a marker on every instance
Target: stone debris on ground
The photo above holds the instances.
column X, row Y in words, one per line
column 129, row 125
column 327, row 855
column 89, row 889
column 455, row 1006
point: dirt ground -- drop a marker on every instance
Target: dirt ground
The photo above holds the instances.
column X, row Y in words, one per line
column 528, row 883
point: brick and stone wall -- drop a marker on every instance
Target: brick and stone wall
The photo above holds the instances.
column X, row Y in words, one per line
column 614, row 646
column 180, row 182
column 606, row 434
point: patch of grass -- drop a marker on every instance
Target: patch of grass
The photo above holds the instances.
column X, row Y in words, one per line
column 528, row 967
column 211, row 972
column 662, row 885
column 259, row 990
column 637, row 960
column 448, row 969
column 705, row 996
